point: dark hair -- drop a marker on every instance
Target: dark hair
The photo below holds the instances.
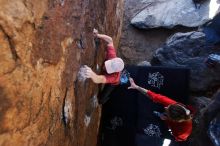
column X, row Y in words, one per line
column 178, row 112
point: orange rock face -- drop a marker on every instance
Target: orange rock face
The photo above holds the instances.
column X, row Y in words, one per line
column 42, row 46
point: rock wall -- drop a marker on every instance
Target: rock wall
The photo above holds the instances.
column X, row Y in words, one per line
column 43, row 44
column 205, row 125
column 170, row 13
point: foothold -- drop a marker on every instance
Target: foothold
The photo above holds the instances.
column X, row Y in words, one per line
column 81, row 74
column 95, row 101
column 87, row 120
column 66, row 112
column 97, row 67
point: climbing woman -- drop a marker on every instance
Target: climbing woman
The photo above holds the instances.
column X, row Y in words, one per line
column 111, row 70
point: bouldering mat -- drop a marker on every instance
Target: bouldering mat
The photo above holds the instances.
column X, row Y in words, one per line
column 127, row 117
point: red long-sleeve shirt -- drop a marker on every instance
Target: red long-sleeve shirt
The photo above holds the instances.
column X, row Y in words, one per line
column 180, row 130
column 112, row 78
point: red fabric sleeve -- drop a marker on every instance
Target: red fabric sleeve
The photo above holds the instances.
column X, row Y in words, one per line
column 112, row 78
column 165, row 101
column 182, row 137
column 110, row 53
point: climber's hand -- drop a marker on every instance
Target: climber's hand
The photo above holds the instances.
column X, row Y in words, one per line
column 133, row 85
column 89, row 73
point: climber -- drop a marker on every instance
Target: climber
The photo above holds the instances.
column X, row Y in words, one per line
column 111, row 70
column 177, row 116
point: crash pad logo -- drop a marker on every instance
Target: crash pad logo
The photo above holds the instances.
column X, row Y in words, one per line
column 115, row 122
column 155, row 79
column 152, row 130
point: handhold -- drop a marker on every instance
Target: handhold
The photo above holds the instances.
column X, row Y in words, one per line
column 94, row 101
column 62, row 2
column 79, row 43
column 66, row 113
column 87, row 120
column 97, row 67
column 81, row 74
column 97, row 42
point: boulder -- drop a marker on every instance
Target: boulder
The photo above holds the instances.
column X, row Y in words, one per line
column 190, row 50
column 138, row 45
column 214, row 130
column 171, row 13
column 206, row 122
column 212, row 30
column 43, row 45
column 144, row 63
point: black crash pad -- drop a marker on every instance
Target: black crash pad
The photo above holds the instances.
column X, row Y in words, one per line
column 127, row 118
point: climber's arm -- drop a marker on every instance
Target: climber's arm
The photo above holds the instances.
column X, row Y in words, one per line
column 106, row 38
column 158, row 98
column 95, row 78
column 140, row 89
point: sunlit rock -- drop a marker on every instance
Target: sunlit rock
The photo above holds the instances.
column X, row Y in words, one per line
column 172, row 13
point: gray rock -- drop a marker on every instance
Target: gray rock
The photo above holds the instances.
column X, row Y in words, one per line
column 190, row 50
column 175, row 12
column 206, row 122
column 214, row 130
column 144, row 63
column 81, row 74
column 199, row 102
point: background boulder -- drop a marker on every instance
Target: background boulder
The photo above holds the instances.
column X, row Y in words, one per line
column 190, row 50
column 172, row 13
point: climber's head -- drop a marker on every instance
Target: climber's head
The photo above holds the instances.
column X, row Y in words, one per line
column 114, row 65
column 178, row 113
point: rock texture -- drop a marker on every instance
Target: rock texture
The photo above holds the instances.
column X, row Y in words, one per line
column 172, row 13
column 212, row 30
column 213, row 130
column 206, row 132
column 43, row 44
column 190, row 50
column 139, row 45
